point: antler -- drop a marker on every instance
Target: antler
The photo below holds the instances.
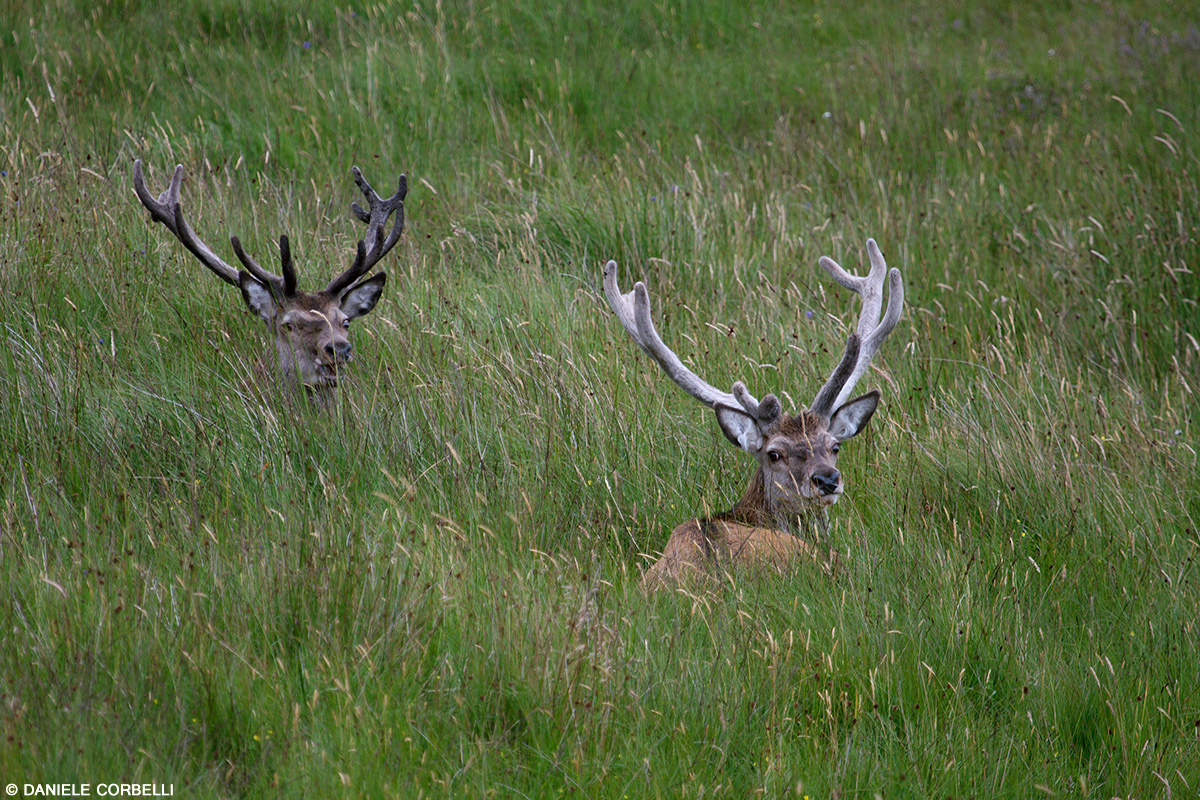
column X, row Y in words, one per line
column 373, row 246
column 285, row 285
column 633, row 310
column 168, row 210
column 871, row 331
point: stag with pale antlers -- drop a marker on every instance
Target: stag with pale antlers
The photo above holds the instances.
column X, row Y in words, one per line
column 797, row 478
column 311, row 330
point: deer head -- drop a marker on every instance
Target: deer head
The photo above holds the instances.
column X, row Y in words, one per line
column 796, row 453
column 311, row 330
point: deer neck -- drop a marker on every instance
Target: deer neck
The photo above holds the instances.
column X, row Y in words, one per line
column 322, row 397
column 752, row 509
column 276, row 376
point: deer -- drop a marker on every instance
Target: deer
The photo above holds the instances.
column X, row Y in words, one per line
column 783, row 510
column 311, row 330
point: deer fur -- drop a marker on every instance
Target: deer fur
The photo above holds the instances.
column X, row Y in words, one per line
column 781, row 517
column 310, row 331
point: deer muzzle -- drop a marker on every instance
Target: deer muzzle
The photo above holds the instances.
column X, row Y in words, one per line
column 827, row 482
column 338, row 351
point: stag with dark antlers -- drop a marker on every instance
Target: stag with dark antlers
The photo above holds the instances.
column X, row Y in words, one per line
column 797, row 477
column 311, row 330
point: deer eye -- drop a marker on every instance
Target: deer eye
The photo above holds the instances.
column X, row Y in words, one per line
column 346, row 325
column 287, row 326
column 774, row 455
column 836, row 448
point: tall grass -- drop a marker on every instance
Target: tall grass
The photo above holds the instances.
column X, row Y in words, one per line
column 432, row 591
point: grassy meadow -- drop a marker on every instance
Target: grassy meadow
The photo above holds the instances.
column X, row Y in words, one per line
column 433, row 591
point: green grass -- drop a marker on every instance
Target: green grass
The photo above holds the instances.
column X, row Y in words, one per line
column 433, row 591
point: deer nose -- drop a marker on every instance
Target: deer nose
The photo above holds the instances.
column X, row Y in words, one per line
column 338, row 350
column 827, row 482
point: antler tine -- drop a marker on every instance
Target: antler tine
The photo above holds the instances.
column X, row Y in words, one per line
column 285, row 263
column 633, row 311
column 258, row 273
column 871, row 331
column 870, row 287
column 824, row 403
column 373, row 245
column 168, row 210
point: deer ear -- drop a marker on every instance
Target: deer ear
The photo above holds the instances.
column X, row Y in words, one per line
column 257, row 296
column 362, row 297
column 849, row 420
column 739, row 428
